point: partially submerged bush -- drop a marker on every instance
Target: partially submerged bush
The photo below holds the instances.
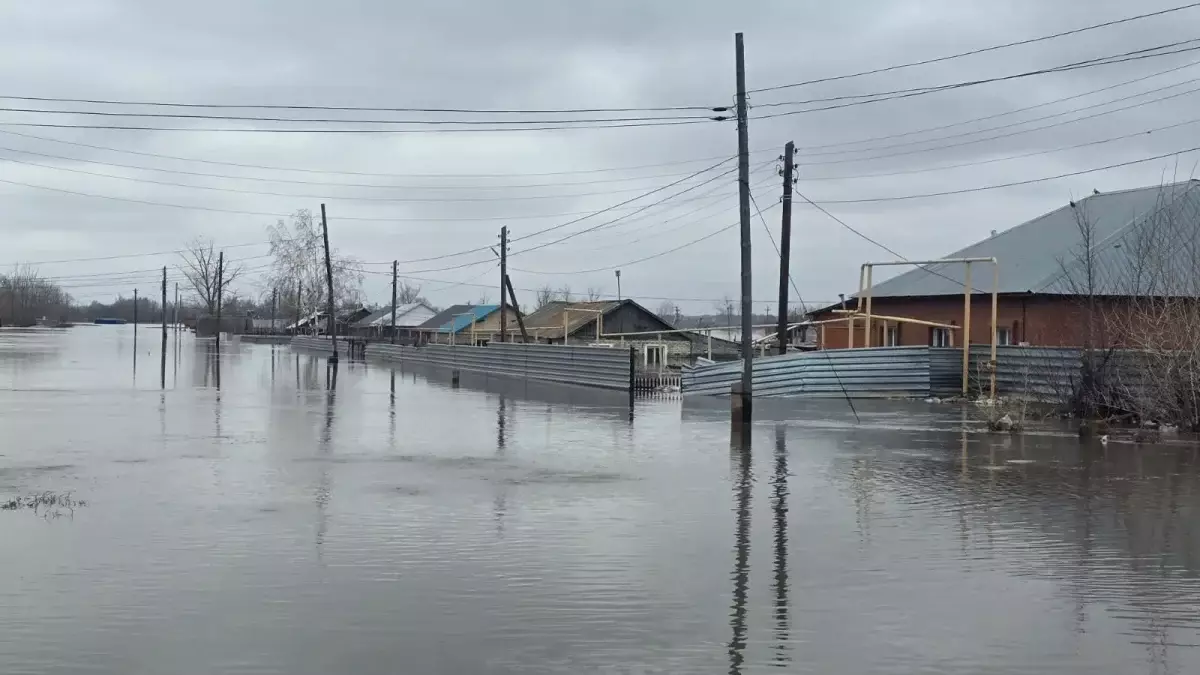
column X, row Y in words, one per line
column 47, row 504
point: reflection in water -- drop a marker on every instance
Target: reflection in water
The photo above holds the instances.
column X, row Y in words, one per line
column 779, row 508
column 545, row 535
column 162, row 370
column 742, row 485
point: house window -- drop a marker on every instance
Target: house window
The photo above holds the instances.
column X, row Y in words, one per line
column 655, row 355
column 893, row 336
column 1004, row 336
column 940, row 337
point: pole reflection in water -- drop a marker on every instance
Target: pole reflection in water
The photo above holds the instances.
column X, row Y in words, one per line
column 742, row 484
column 163, row 364
column 392, row 410
column 324, row 450
column 500, row 506
column 780, row 585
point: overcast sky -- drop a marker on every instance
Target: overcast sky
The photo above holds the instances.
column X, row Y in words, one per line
column 556, row 55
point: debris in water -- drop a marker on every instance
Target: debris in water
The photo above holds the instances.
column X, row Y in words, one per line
column 45, row 504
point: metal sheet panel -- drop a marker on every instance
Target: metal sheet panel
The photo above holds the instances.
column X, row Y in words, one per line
column 878, row 372
column 601, row 367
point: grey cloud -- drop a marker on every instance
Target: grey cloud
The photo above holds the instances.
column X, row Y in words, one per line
column 555, row 54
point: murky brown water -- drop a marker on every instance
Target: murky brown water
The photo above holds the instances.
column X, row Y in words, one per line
column 398, row 525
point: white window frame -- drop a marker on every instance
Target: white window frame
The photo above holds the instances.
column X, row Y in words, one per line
column 1004, row 336
column 946, row 335
column 891, row 336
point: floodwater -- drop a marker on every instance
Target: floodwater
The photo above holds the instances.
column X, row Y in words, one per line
column 244, row 516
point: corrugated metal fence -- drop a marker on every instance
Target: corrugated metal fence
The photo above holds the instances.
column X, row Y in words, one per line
column 601, row 367
column 1040, row 373
column 877, row 372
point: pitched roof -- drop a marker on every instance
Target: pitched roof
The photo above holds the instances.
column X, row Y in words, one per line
column 452, row 319
column 383, row 317
column 1040, row 256
column 548, row 319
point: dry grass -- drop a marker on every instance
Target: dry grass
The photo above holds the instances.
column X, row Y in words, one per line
column 46, row 504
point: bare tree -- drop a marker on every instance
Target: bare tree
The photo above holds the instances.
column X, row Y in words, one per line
column 592, row 294
column 666, row 310
column 407, row 293
column 200, row 269
column 564, row 294
column 545, row 295
column 25, row 297
column 299, row 260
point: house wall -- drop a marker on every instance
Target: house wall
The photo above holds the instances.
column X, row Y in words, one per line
column 628, row 318
column 1041, row 320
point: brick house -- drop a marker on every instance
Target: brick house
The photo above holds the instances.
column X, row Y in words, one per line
column 1043, row 273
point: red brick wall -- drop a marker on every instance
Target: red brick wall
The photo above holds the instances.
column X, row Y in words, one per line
column 1038, row 320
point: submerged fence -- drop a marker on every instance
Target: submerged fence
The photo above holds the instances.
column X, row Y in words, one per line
column 1042, row 373
column 600, row 367
column 877, row 372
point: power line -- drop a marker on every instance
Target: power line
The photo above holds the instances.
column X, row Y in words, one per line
column 277, row 130
column 349, row 108
column 347, row 185
column 908, row 93
column 1021, row 132
column 313, row 196
column 417, row 122
column 644, row 259
column 128, row 255
column 994, row 160
column 1034, row 119
column 1002, row 114
column 364, row 173
column 871, row 200
column 981, row 50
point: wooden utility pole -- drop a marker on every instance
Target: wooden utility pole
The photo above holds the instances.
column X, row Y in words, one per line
column 274, row 303
column 785, row 246
column 164, row 309
column 516, row 309
column 299, row 295
column 162, row 369
column 176, row 307
column 394, row 264
column 135, row 317
column 747, row 388
column 503, row 277
column 220, row 292
column 333, row 356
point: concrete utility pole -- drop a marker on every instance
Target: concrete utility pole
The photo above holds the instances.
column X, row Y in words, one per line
column 503, row 276
column 333, row 356
column 516, row 310
column 747, row 388
column 274, row 304
column 176, row 307
column 785, row 245
column 135, row 298
column 394, row 263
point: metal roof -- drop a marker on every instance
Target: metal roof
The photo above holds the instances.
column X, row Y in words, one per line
column 451, row 319
column 1042, row 255
column 383, row 317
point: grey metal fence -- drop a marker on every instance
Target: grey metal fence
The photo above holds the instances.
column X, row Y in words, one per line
column 877, row 372
column 315, row 343
column 602, row 367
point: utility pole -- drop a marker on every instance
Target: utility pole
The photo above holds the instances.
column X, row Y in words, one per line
column 177, row 307
column 747, row 388
column 333, row 356
column 394, row 263
column 785, row 245
column 274, row 301
column 164, row 309
column 503, row 276
column 220, row 292
column 135, row 298
column 516, row 310
column 162, row 369
column 621, row 320
column 299, row 294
